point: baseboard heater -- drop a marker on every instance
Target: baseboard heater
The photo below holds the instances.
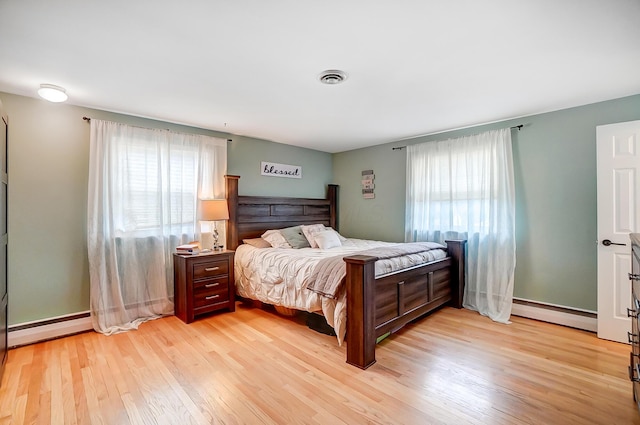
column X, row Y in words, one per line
column 557, row 314
column 46, row 329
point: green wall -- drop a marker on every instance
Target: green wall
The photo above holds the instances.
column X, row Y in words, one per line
column 48, row 171
column 245, row 156
column 555, row 173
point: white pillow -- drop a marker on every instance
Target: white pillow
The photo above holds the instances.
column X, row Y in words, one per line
column 275, row 238
column 310, row 232
column 327, row 239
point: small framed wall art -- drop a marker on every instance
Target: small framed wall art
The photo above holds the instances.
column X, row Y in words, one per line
column 368, row 185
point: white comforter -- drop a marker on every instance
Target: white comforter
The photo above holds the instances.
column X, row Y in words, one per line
column 280, row 276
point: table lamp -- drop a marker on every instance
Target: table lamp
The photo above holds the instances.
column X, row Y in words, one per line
column 214, row 210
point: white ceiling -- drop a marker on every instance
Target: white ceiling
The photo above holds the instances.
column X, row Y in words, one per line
column 250, row 67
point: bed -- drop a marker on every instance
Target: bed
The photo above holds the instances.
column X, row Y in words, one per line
column 372, row 300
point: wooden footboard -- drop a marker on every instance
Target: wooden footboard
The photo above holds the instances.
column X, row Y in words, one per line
column 377, row 306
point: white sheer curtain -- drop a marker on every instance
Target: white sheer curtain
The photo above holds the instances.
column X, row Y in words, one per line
column 143, row 190
column 464, row 189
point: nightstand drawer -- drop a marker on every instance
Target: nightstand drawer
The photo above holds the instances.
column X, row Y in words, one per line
column 210, row 268
column 205, row 297
column 211, row 284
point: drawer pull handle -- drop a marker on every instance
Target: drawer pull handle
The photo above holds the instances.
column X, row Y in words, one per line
column 212, row 297
column 211, row 285
column 633, row 338
column 633, row 370
column 211, row 269
column 632, row 313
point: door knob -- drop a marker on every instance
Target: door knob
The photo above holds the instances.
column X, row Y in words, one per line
column 607, row 242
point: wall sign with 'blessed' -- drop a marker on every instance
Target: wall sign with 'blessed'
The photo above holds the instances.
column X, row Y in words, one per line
column 281, row 170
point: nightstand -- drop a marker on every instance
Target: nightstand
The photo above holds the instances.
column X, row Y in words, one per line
column 203, row 283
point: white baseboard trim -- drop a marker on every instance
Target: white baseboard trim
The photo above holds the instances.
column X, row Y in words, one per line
column 42, row 330
column 564, row 318
column 32, row 332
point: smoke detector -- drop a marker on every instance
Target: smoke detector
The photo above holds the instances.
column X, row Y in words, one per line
column 332, row 76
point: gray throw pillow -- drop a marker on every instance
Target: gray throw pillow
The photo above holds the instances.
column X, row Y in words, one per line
column 295, row 237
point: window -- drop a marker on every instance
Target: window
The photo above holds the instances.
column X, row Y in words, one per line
column 158, row 185
column 452, row 187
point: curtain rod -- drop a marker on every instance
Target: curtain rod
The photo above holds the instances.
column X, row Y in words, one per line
column 87, row 119
column 519, row 127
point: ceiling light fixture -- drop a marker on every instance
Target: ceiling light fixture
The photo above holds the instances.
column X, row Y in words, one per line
column 332, row 76
column 52, row 93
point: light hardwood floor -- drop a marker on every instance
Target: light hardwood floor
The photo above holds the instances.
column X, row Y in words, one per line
column 253, row 367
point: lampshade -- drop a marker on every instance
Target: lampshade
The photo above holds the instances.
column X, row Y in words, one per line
column 213, row 209
column 52, row 93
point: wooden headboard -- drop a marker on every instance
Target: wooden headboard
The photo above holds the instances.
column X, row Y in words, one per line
column 251, row 216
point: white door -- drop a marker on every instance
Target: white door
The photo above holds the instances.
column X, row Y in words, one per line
column 618, row 157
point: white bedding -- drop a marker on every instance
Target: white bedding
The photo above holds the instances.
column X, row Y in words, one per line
column 279, row 276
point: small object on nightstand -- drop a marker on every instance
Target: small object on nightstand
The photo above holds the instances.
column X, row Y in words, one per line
column 191, row 248
column 203, row 283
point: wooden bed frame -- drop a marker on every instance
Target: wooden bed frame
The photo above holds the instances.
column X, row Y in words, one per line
column 374, row 306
